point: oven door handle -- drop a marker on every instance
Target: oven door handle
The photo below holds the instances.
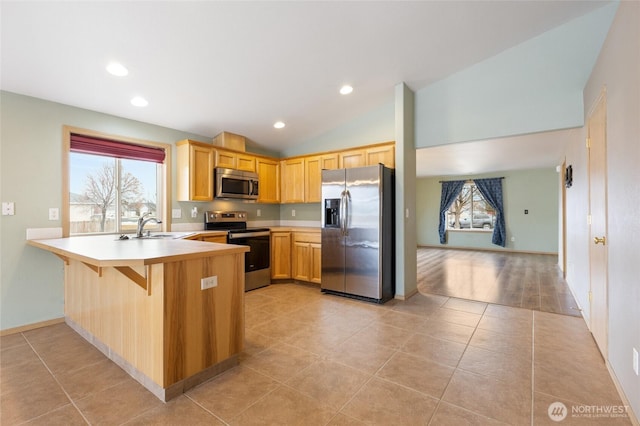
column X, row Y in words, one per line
column 235, row 236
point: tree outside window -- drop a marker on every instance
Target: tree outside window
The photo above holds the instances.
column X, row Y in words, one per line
column 108, row 195
column 470, row 210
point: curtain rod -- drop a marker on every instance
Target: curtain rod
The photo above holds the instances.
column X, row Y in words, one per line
column 470, row 180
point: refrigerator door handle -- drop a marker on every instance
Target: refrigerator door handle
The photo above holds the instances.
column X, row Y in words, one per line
column 347, row 206
column 342, row 213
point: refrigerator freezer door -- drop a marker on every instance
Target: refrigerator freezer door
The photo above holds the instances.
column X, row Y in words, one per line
column 362, row 242
column 333, row 187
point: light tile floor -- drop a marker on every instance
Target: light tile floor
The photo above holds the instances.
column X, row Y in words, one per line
column 319, row 359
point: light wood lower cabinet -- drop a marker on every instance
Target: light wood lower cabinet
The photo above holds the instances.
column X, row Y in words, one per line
column 280, row 255
column 306, row 253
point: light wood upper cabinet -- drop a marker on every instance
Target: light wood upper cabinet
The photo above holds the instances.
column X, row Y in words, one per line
column 292, row 186
column 280, row 255
column 269, row 178
column 226, row 159
column 313, row 175
column 246, row 162
column 353, row 158
column 235, row 160
column 384, row 154
column 313, row 181
column 195, row 171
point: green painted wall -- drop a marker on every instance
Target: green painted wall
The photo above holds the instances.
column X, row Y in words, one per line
column 534, row 190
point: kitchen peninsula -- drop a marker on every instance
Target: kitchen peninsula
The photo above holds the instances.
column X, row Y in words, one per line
column 144, row 304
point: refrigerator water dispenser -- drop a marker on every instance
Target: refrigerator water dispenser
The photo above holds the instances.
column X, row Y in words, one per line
column 332, row 213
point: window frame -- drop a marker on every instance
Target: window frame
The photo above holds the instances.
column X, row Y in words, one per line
column 164, row 207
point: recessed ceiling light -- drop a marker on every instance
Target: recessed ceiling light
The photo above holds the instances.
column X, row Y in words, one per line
column 346, row 89
column 278, row 124
column 139, row 101
column 117, row 69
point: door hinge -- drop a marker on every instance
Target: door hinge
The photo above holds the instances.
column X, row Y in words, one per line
column 590, row 296
column 588, row 143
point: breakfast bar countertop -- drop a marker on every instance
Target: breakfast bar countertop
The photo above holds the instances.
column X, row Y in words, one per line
column 110, row 250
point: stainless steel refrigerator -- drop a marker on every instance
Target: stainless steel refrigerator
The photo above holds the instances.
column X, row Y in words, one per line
column 358, row 244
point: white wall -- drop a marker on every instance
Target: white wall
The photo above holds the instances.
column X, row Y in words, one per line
column 617, row 69
column 533, row 190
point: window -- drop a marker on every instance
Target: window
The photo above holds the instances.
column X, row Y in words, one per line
column 470, row 210
column 112, row 183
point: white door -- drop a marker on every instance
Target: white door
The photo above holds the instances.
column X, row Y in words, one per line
column 597, row 148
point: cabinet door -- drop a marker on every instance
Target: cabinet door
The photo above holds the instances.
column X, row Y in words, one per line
column 315, row 269
column 201, row 173
column 330, row 161
column 269, row 177
column 313, row 179
column 246, row 162
column 194, row 181
column 280, row 255
column 292, row 180
column 301, row 251
column 353, row 158
column 384, row 154
column 226, row 159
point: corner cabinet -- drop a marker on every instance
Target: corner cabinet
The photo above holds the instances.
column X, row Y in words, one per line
column 194, row 181
column 269, row 177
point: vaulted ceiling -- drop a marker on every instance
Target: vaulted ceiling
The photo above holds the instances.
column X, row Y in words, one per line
column 207, row 67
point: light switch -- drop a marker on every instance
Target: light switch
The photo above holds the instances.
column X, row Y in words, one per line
column 8, row 208
column 176, row 213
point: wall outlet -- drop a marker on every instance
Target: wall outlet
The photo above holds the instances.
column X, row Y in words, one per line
column 194, row 212
column 259, row 213
column 8, row 208
column 54, row 213
column 513, row 239
column 176, row 213
column 635, row 361
column 209, row 282
column 293, row 212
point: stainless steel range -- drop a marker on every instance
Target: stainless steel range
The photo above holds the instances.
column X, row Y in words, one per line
column 257, row 261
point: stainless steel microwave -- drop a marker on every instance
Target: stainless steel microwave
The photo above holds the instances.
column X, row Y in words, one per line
column 237, row 184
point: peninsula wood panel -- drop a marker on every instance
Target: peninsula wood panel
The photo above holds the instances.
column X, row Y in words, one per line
column 119, row 313
column 202, row 327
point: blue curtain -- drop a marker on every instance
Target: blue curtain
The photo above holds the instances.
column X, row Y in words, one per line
column 491, row 190
column 450, row 191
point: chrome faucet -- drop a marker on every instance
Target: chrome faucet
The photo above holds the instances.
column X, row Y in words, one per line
column 142, row 222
